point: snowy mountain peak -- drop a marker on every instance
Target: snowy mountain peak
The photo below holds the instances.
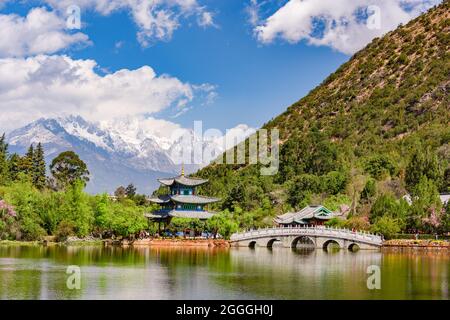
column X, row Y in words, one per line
column 117, row 151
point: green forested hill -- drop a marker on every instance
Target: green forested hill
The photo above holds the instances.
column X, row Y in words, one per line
column 369, row 133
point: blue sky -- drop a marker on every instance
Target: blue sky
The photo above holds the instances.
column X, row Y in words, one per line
column 254, row 56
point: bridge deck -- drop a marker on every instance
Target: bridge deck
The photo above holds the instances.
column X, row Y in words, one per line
column 318, row 231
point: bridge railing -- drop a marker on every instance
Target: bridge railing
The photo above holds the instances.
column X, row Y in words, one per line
column 309, row 230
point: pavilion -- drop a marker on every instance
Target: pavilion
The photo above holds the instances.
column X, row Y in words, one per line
column 310, row 215
column 181, row 201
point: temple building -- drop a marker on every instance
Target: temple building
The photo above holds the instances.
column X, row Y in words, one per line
column 310, row 215
column 181, row 201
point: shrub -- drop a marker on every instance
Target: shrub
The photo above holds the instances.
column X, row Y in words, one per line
column 65, row 229
column 387, row 226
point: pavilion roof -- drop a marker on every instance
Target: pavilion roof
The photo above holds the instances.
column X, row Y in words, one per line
column 309, row 212
column 191, row 182
column 160, row 199
column 191, row 199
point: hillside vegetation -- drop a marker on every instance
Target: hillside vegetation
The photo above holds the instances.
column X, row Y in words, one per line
column 374, row 130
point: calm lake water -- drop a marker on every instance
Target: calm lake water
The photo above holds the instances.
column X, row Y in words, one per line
column 196, row 273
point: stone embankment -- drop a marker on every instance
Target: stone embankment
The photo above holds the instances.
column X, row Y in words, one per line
column 424, row 244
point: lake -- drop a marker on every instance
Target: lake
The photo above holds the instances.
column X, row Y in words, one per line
column 37, row 272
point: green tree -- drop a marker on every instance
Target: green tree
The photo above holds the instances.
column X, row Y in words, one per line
column 4, row 169
column 120, row 193
column 425, row 201
column 14, row 167
column 301, row 189
column 130, row 191
column 379, row 166
column 26, row 163
column 387, row 206
column 67, row 168
column 223, row 224
column 126, row 219
column 39, row 177
column 76, row 209
column 446, row 218
column 387, row 226
column 423, row 163
column 27, row 202
column 335, row 182
column 369, row 190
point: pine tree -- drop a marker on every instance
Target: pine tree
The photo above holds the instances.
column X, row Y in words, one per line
column 26, row 163
column 14, row 166
column 130, row 191
column 4, row 172
column 39, row 177
column 423, row 163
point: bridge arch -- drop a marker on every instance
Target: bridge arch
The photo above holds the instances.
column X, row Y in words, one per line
column 252, row 244
column 331, row 242
column 271, row 242
column 303, row 241
column 353, row 247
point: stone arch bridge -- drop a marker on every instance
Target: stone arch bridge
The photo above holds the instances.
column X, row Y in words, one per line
column 317, row 237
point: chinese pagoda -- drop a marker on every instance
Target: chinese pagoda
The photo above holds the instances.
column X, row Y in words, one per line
column 182, row 201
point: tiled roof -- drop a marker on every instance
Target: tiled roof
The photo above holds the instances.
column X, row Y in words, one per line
column 160, row 199
column 193, row 199
column 306, row 213
column 191, row 182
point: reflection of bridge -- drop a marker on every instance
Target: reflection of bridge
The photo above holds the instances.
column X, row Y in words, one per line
column 318, row 237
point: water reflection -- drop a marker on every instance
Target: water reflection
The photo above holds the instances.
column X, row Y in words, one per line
column 204, row 273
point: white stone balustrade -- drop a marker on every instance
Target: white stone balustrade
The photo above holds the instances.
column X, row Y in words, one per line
column 315, row 231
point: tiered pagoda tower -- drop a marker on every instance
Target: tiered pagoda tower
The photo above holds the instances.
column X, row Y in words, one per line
column 182, row 201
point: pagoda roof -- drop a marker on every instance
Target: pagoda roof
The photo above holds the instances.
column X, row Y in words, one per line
column 191, row 199
column 191, row 182
column 190, row 214
column 160, row 199
column 301, row 217
column 194, row 199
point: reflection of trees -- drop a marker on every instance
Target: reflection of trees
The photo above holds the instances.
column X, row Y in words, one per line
column 299, row 274
column 37, row 272
column 417, row 274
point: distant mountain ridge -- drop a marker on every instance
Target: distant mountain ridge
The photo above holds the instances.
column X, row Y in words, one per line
column 109, row 161
column 117, row 152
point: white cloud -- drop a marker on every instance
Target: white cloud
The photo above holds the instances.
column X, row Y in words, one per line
column 205, row 19
column 40, row 32
column 48, row 86
column 252, row 10
column 336, row 23
column 155, row 19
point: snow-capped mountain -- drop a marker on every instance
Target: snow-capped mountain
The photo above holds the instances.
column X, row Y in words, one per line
column 121, row 151
column 112, row 159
